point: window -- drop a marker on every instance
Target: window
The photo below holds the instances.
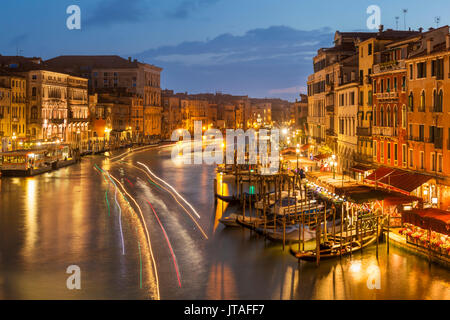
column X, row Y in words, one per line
column 395, row 84
column 411, row 102
column 404, row 117
column 375, row 148
column 404, row 154
column 375, row 115
column 411, row 156
column 411, row 71
column 439, row 164
column 34, row 113
column 369, row 49
column 370, row 98
column 403, row 83
column 382, row 86
column 395, row 117
column 33, row 92
column 421, row 70
column 433, row 162
column 437, row 101
column 395, row 152
column 381, row 150
column 389, row 151
column 374, row 86
column 421, row 132
column 422, row 102
column 388, row 85
column 422, row 160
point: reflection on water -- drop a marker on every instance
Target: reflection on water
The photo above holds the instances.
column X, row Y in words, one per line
column 61, row 218
column 31, row 223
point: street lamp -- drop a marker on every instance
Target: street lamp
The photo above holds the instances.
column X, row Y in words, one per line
column 334, row 164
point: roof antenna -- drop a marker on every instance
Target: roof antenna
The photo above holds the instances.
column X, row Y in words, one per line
column 405, row 11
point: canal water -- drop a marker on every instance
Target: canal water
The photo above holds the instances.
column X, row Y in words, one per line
column 163, row 240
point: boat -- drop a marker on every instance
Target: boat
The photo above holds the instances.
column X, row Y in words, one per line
column 63, row 155
column 271, row 201
column 230, row 220
column 251, row 223
column 293, row 206
column 25, row 162
column 226, row 198
column 330, row 250
column 291, row 233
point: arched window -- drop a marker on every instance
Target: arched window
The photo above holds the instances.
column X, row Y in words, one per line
column 422, row 101
column 34, row 113
column 388, row 117
column 411, row 102
column 395, row 116
column 382, row 117
column 375, row 115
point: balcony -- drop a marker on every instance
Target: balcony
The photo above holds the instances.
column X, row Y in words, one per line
column 331, row 133
column 365, row 132
column 388, row 66
column 435, row 109
column 386, row 95
column 384, row 131
column 416, row 139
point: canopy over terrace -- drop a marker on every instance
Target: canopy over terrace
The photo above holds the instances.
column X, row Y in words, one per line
column 435, row 219
column 396, row 179
column 357, row 193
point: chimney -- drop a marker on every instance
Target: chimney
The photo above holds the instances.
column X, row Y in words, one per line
column 129, row 59
column 447, row 41
column 420, row 29
column 429, row 47
column 381, row 28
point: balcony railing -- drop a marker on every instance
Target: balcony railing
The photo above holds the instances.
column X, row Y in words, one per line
column 435, row 109
column 361, row 131
column 389, row 66
column 386, row 95
column 385, row 131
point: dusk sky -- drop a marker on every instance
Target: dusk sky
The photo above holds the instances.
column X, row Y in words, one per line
column 262, row 48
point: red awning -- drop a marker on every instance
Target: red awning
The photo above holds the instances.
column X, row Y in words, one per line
column 435, row 219
column 397, row 179
column 305, row 147
column 321, row 157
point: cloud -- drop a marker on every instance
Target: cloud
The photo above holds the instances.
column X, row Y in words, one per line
column 111, row 12
column 293, row 90
column 274, row 61
column 184, row 9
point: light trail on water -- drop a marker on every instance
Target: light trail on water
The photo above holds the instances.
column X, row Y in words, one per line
column 169, row 244
column 146, row 232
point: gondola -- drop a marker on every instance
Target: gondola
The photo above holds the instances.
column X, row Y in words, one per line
column 333, row 250
column 230, row 221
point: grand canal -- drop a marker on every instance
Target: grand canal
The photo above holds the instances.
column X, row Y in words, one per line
column 134, row 237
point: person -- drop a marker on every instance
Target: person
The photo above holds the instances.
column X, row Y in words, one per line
column 302, row 174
